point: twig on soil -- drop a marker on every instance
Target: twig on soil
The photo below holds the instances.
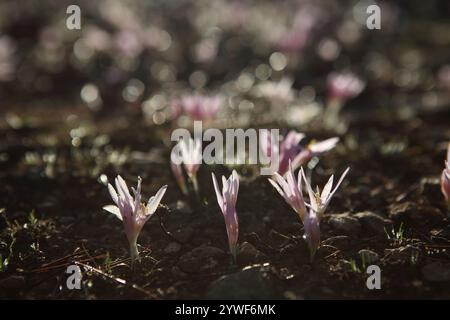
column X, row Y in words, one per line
column 333, row 254
column 255, row 235
column 164, row 229
column 110, row 277
column 87, row 253
column 63, row 265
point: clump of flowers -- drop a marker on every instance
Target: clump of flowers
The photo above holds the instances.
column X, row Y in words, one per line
column 226, row 198
column 319, row 202
column 290, row 189
column 197, row 106
column 289, row 150
column 188, row 153
column 445, row 179
column 133, row 213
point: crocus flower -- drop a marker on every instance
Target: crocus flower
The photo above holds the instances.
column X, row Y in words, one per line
column 200, row 107
column 277, row 92
column 132, row 211
column 227, row 203
column 191, row 154
column 319, row 201
column 314, row 149
column 291, row 190
column 306, row 18
column 343, row 86
column 289, row 150
column 445, row 178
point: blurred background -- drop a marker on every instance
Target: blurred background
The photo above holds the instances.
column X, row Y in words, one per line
column 137, row 56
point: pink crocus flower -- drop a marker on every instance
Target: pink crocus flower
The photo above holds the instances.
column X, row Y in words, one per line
column 344, row 86
column 314, row 149
column 298, row 36
column 227, row 202
column 445, row 178
column 341, row 88
column 188, row 152
column 289, row 150
column 132, row 211
column 291, row 190
column 319, row 201
column 175, row 109
column 199, row 107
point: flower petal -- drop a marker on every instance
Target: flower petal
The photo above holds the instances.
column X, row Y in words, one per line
column 277, row 187
column 327, row 189
column 113, row 194
column 218, row 193
column 114, row 210
column 338, row 184
column 323, row 146
column 312, row 197
column 154, row 201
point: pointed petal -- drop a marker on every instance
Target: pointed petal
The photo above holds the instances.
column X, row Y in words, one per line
column 218, row 193
column 302, row 158
column 290, row 178
column 283, row 184
column 312, row 198
column 299, row 181
column 224, row 186
column 327, row 189
column 153, row 203
column 137, row 193
column 113, row 194
column 122, row 186
column 323, row 146
column 114, row 210
column 235, row 191
column 277, row 187
column 338, row 184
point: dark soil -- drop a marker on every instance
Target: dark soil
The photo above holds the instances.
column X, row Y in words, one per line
column 52, row 193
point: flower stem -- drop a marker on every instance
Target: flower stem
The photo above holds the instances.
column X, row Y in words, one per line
column 195, row 186
column 332, row 111
column 134, row 253
column 233, row 250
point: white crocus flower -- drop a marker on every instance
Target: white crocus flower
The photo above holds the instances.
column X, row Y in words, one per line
column 132, row 211
column 319, row 201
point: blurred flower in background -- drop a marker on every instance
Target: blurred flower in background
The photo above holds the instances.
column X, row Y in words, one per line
column 138, row 56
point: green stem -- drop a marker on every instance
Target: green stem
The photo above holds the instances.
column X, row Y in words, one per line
column 195, row 186
column 233, row 250
column 134, row 253
column 332, row 111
